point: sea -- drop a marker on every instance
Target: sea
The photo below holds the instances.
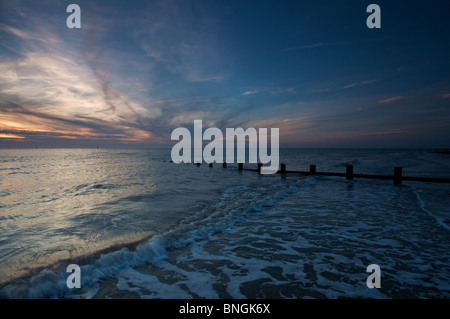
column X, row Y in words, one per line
column 141, row 226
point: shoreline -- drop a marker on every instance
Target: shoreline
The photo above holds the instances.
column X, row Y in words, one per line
column 82, row 260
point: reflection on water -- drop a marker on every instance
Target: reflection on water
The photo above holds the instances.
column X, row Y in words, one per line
column 60, row 204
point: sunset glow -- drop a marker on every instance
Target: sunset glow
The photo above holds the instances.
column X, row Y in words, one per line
column 135, row 71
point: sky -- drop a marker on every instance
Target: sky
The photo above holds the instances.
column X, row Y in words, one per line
column 136, row 70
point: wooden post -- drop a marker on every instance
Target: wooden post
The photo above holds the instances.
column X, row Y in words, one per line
column 349, row 172
column 397, row 175
column 283, row 168
column 312, row 169
column 224, row 165
column 240, row 166
column 198, row 164
column 210, row 164
column 259, row 167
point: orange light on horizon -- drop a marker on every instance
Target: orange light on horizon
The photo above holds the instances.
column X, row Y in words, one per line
column 11, row 136
column 54, row 129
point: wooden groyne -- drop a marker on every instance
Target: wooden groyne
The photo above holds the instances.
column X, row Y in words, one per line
column 349, row 174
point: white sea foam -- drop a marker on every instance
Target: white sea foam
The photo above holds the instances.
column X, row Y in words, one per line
column 235, row 204
column 297, row 237
column 328, row 254
column 278, row 248
column 422, row 206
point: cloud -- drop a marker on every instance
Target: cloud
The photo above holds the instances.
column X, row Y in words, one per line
column 250, row 92
column 181, row 42
column 322, row 90
column 307, row 46
column 53, row 89
column 358, row 83
column 88, row 85
column 393, row 100
column 29, row 120
column 10, row 136
column 14, row 31
column 281, row 91
column 348, row 86
column 272, row 91
column 322, row 44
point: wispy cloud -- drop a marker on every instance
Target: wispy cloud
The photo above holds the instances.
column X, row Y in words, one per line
column 358, row 83
column 49, row 85
column 14, row 31
column 325, row 44
column 393, row 99
column 272, row 91
column 250, row 92
column 182, row 43
column 281, row 91
column 306, row 46
column 11, row 136
column 320, row 90
column 337, row 87
column 135, row 71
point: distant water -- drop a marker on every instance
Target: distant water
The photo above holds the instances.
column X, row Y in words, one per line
column 142, row 227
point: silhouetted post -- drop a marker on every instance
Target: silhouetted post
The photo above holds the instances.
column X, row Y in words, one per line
column 224, row 165
column 349, row 172
column 259, row 167
column 397, row 175
column 312, row 169
column 283, row 168
column 240, row 166
column 198, row 164
column 210, row 164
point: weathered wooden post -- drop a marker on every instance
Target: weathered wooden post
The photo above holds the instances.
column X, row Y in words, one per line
column 224, row 165
column 259, row 167
column 397, row 175
column 240, row 166
column 349, row 172
column 210, row 164
column 312, row 169
column 283, row 168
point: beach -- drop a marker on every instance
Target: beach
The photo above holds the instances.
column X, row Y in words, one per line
column 140, row 226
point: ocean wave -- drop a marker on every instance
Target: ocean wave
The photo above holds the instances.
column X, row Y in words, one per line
column 234, row 204
column 439, row 220
column 314, row 241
